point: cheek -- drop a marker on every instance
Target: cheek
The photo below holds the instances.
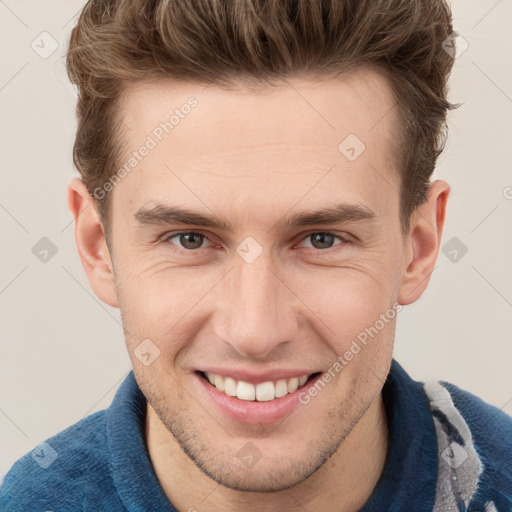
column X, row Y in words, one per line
column 159, row 302
column 349, row 305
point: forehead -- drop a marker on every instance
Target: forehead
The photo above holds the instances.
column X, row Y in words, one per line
column 253, row 143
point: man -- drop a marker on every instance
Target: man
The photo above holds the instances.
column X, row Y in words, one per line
column 255, row 197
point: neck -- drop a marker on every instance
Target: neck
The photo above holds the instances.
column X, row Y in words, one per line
column 343, row 484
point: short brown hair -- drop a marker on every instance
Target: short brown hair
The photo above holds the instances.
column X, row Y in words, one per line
column 229, row 42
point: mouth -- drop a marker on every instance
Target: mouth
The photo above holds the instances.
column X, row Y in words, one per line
column 261, row 392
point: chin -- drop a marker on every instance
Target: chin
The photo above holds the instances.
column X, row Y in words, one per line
column 262, row 477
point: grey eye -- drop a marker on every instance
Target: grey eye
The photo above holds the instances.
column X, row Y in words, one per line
column 189, row 240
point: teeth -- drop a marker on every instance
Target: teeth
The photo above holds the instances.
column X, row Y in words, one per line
column 281, row 388
column 219, row 383
column 229, row 386
column 263, row 392
column 293, row 384
column 244, row 391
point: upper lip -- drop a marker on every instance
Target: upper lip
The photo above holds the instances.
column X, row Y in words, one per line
column 258, row 377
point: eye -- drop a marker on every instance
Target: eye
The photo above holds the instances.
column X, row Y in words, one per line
column 189, row 240
column 324, row 240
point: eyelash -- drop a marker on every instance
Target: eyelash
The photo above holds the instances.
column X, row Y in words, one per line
column 344, row 240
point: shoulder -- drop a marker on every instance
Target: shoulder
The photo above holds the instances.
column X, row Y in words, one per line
column 491, row 425
column 491, row 432
column 62, row 473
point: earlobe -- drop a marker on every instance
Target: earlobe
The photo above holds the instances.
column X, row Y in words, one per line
column 423, row 242
column 91, row 242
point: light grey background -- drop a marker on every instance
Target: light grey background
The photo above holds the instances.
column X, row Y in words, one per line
column 62, row 350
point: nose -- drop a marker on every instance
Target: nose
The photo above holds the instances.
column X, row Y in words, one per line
column 257, row 314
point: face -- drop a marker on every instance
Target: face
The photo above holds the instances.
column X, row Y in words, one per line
column 254, row 244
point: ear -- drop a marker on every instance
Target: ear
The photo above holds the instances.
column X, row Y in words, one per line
column 423, row 242
column 91, row 242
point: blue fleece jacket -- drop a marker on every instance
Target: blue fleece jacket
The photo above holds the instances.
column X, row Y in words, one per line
column 448, row 450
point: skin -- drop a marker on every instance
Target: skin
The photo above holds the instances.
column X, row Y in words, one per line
column 254, row 158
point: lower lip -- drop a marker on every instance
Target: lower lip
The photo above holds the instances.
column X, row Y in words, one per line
column 246, row 411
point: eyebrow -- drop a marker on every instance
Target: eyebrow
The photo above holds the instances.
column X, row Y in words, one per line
column 166, row 214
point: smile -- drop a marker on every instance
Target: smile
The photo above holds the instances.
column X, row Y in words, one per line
column 262, row 392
